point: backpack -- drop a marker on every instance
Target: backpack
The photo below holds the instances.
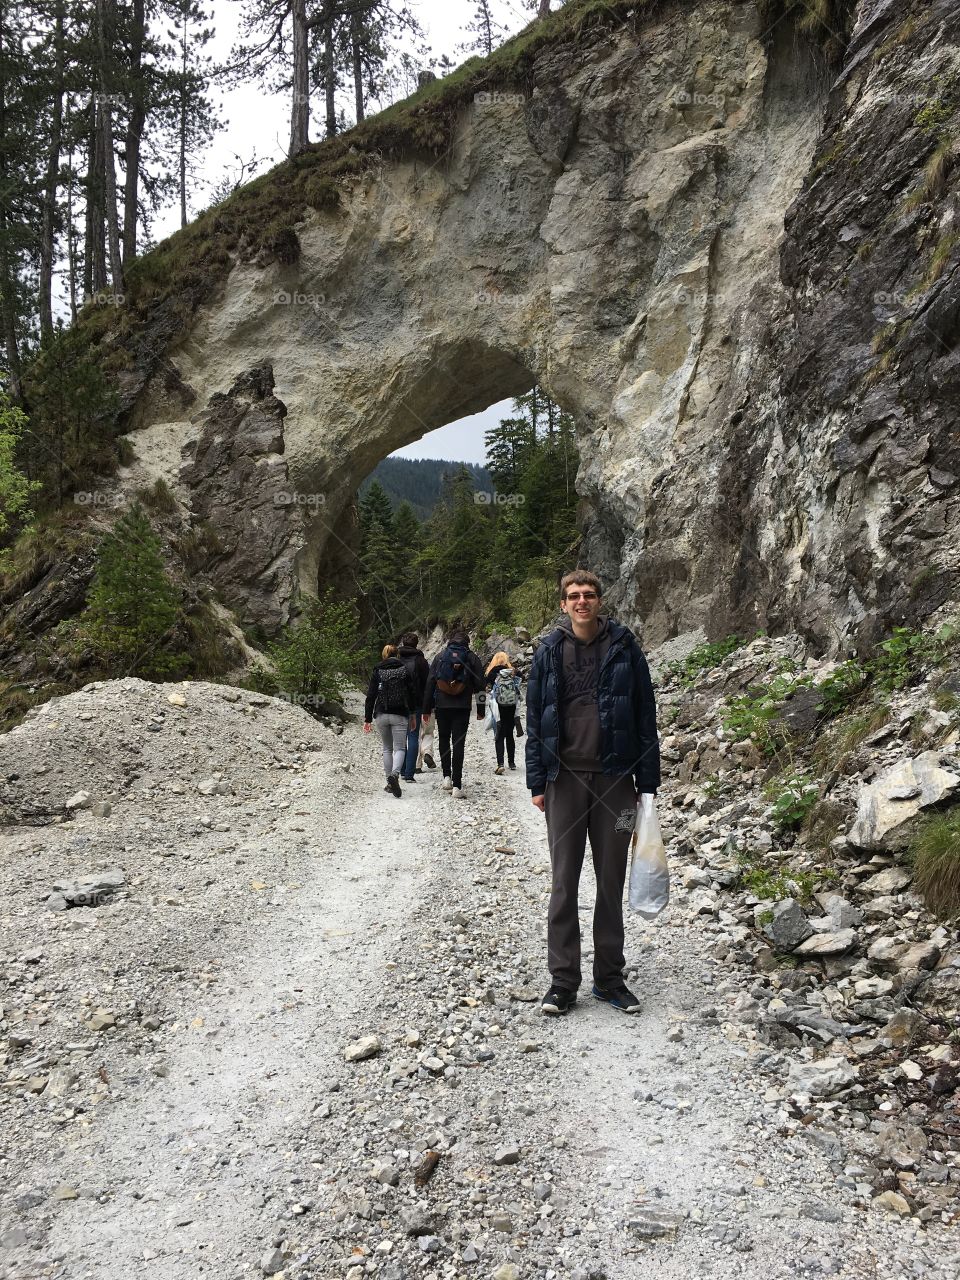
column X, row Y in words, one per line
column 505, row 689
column 452, row 672
column 393, row 697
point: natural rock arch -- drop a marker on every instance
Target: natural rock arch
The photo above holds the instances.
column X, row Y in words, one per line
column 615, row 235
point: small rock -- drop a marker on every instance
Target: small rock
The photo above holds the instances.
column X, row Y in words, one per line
column 65, row 1192
column 101, row 1020
column 271, row 1262
column 79, row 800
column 788, row 927
column 359, row 1050
column 892, row 1202
column 827, row 944
column 507, row 1154
column 821, row 1079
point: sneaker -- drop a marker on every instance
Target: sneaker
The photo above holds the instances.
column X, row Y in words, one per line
column 404, row 778
column 418, row 771
column 447, row 784
column 512, row 768
column 558, row 1000
column 620, row 996
column 457, row 793
column 393, row 785
column 498, row 769
column 429, row 761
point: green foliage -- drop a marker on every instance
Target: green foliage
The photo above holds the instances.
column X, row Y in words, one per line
column 419, row 482
column 793, row 799
column 772, row 883
column 704, row 657
column 158, row 497
column 756, row 714
column 842, row 686
column 132, row 606
column 16, row 491
column 935, row 853
column 313, row 658
column 934, row 115
column 901, row 657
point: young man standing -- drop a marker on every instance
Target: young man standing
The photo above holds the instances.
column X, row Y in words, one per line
column 591, row 749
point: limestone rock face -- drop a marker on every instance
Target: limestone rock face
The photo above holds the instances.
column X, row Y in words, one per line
column 240, row 497
column 662, row 231
column 888, row 807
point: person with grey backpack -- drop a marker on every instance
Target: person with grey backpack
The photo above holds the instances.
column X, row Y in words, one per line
column 505, row 692
column 392, row 703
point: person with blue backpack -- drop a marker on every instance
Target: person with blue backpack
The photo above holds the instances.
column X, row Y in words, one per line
column 392, row 703
column 455, row 676
column 504, row 685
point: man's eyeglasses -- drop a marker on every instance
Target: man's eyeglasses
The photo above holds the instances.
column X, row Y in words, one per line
column 582, row 595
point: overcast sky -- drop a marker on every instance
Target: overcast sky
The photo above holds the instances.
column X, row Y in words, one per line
column 259, row 124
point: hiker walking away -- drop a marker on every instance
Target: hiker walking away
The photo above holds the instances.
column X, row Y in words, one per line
column 591, row 748
column 455, row 676
column 418, row 669
column 391, row 703
column 504, row 685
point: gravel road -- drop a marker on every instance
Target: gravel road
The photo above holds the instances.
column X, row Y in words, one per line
column 214, row 1128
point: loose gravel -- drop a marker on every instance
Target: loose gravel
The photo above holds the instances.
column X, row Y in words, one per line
column 177, row 1097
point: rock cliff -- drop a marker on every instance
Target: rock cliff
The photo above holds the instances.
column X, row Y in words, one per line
column 734, row 263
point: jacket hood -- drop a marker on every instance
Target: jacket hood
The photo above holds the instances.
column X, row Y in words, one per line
column 389, row 662
column 408, row 651
column 565, row 630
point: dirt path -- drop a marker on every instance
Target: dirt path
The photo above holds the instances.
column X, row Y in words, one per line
column 239, row 1142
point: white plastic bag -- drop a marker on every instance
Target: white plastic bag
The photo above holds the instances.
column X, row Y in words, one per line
column 493, row 715
column 426, row 744
column 649, row 874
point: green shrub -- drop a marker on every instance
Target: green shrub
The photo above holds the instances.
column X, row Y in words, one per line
column 756, row 713
column 793, row 798
column 312, row 658
column 842, row 686
column 774, row 886
column 703, row 658
column 158, row 497
column 935, row 854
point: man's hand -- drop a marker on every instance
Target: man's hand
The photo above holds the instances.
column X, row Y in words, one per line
column 367, row 726
column 538, row 801
column 425, row 718
column 413, row 723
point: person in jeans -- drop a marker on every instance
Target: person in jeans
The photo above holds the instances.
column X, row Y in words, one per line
column 591, row 749
column 418, row 667
column 391, row 704
column 504, row 685
column 455, row 676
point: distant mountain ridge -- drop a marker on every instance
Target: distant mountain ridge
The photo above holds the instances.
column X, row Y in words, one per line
column 419, row 481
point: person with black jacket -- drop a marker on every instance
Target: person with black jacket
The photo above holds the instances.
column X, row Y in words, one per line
column 392, row 704
column 591, row 750
column 418, row 669
column 456, row 674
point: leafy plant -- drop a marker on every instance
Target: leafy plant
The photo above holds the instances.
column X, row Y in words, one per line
column 703, row 658
column 900, row 657
column 842, row 686
column 774, row 886
column 756, row 713
column 792, row 801
column 935, row 853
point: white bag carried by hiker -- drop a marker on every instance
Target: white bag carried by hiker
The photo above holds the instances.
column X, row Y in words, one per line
column 649, row 874
column 493, row 715
column 426, row 743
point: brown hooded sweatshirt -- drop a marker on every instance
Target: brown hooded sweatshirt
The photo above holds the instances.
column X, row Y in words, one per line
column 579, row 711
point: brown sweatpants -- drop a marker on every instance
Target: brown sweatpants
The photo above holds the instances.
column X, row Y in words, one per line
column 604, row 808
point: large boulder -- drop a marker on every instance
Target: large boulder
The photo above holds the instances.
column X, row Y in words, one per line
column 888, row 808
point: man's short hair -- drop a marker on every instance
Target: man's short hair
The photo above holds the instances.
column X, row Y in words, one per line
column 458, row 636
column 582, row 578
column 409, row 640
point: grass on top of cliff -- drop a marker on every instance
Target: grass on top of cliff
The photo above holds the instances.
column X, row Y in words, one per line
column 259, row 217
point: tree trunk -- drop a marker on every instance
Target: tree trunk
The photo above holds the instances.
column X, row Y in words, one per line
column 329, row 77
column 300, row 100
column 51, row 185
column 357, row 56
column 71, row 230
column 184, row 59
column 94, row 255
column 544, row 8
column 134, row 136
column 106, row 30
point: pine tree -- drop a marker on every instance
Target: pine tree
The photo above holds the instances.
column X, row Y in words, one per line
column 132, row 605
column 485, row 30
column 16, row 490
